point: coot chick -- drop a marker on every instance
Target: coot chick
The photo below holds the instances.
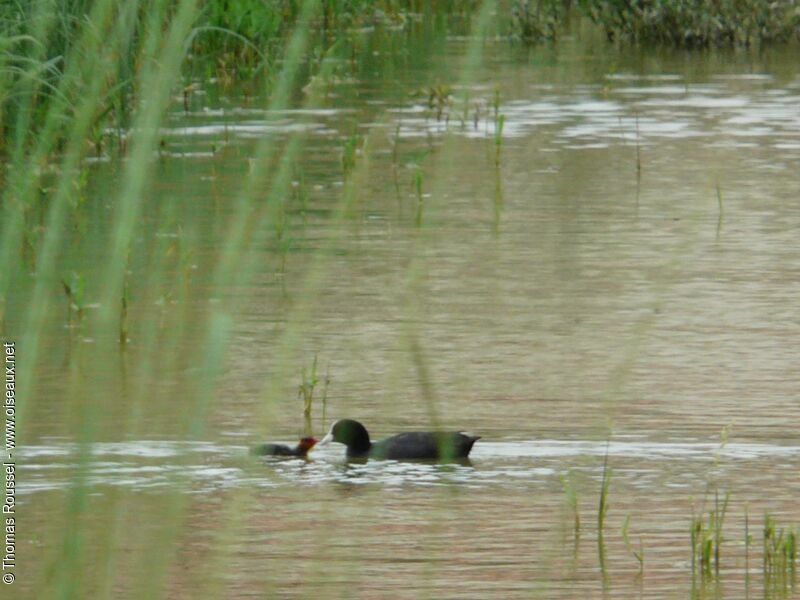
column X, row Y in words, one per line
column 416, row 445
column 300, row 450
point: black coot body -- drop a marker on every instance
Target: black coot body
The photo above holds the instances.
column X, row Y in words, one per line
column 417, row 445
column 270, row 449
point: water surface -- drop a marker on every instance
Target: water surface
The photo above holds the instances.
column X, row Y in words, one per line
column 564, row 303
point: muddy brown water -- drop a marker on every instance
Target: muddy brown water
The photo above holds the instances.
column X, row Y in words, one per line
column 558, row 301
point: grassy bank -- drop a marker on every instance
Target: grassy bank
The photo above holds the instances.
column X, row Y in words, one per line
column 53, row 53
column 672, row 23
column 696, row 23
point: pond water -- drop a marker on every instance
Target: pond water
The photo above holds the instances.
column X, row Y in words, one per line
column 619, row 279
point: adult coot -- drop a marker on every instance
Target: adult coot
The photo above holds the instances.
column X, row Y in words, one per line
column 414, row 445
column 300, row 450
